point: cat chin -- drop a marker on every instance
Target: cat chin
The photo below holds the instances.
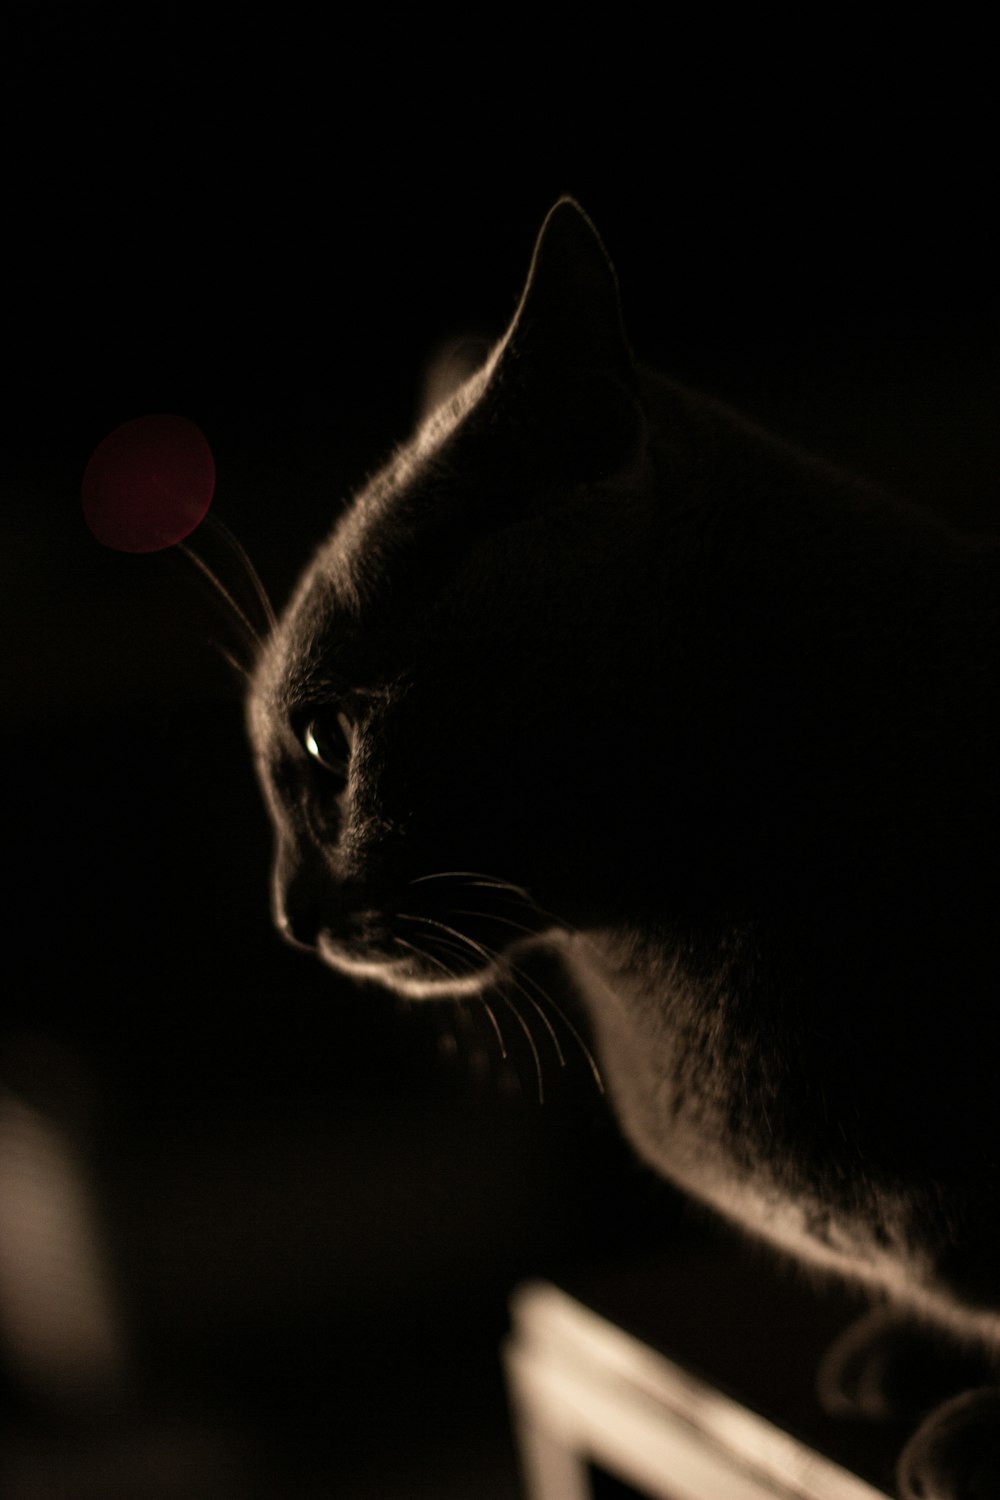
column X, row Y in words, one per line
column 440, row 989
column 398, row 975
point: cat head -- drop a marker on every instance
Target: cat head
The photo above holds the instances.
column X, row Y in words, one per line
column 443, row 718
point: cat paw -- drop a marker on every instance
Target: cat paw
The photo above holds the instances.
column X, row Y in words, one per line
column 884, row 1367
column 955, row 1453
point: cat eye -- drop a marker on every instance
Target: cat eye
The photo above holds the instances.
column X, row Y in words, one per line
column 328, row 737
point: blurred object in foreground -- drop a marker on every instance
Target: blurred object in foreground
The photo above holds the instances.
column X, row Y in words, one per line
column 689, row 1376
column 60, row 1328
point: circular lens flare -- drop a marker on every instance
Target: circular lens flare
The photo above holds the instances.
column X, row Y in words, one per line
column 148, row 484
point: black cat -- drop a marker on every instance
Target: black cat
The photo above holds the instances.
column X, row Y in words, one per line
column 595, row 662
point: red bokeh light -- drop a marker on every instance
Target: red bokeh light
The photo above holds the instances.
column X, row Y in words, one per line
column 148, row 484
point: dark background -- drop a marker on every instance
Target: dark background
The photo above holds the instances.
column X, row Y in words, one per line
column 314, row 1202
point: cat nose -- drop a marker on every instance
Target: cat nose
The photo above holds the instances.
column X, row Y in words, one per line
column 308, row 900
column 300, row 928
column 298, row 907
column 301, row 931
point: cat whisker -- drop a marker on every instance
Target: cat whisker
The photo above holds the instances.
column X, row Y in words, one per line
column 422, row 953
column 231, row 660
column 503, row 885
column 460, row 1010
column 529, row 979
column 513, row 970
column 491, row 957
column 480, row 1055
column 493, row 916
column 450, row 974
column 560, row 1055
column 487, row 1007
column 540, row 990
column 220, row 587
column 554, row 919
column 425, row 953
column 588, row 1055
column 475, row 877
column 236, row 546
column 463, row 939
column 519, row 978
column 531, row 1041
column 486, row 881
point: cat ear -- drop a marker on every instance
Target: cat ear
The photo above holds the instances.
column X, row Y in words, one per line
column 569, row 317
column 564, row 374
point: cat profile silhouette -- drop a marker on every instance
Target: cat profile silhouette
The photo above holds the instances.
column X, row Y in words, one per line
column 594, row 662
